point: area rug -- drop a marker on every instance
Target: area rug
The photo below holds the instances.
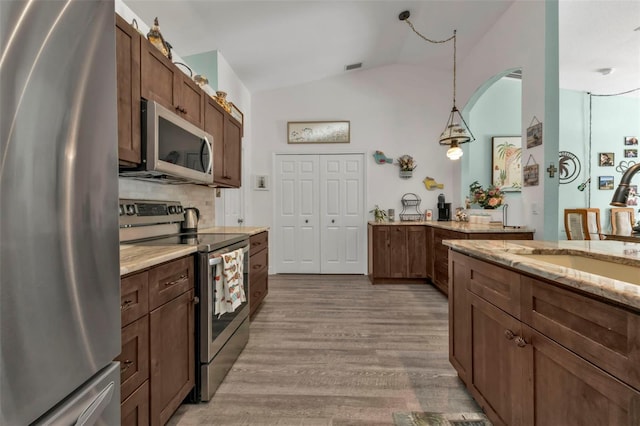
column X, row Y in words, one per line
column 421, row 418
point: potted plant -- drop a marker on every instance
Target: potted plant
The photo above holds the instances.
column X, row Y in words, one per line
column 378, row 214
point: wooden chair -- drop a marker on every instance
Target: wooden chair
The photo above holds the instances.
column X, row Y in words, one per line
column 622, row 220
column 582, row 224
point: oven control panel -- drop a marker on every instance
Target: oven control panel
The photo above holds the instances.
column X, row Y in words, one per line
column 146, row 212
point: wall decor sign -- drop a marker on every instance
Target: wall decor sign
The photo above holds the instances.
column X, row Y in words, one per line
column 531, row 172
column 606, row 159
column 506, row 167
column 605, row 182
column 569, row 167
column 630, row 153
column 534, row 133
column 318, row 132
column 631, row 140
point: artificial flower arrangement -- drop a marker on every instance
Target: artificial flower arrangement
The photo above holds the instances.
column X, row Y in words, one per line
column 406, row 163
column 489, row 198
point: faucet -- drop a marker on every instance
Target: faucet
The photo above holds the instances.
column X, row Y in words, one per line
column 622, row 191
column 504, row 215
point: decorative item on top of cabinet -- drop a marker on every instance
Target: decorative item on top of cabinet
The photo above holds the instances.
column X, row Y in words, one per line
column 221, row 98
column 259, row 270
column 155, row 37
column 128, row 91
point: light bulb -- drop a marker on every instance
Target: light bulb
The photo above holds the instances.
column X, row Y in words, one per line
column 454, row 153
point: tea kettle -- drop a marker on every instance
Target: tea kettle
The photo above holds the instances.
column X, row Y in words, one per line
column 191, row 216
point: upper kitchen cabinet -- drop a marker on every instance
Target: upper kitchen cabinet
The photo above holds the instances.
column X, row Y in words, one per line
column 163, row 82
column 128, row 75
column 227, row 145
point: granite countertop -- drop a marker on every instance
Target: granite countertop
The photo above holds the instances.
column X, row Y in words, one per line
column 509, row 253
column 249, row 230
column 135, row 258
column 466, row 227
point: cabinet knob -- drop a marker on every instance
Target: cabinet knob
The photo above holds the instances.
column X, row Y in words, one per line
column 306, row 221
column 333, row 221
column 509, row 334
column 521, row 342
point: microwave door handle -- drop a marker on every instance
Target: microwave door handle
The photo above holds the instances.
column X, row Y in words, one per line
column 208, row 145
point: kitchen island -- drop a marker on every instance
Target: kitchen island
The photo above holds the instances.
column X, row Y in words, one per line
column 413, row 251
column 547, row 332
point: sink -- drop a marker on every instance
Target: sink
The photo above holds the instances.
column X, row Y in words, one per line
column 604, row 268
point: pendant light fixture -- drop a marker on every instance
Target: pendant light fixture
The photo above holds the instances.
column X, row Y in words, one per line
column 456, row 132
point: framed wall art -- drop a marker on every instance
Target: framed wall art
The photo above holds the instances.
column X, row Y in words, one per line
column 606, row 159
column 506, row 167
column 605, row 182
column 318, row 132
column 630, row 153
column 631, row 140
column 531, row 172
column 534, row 133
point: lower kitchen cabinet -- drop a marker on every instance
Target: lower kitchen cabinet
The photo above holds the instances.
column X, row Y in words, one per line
column 259, row 270
column 534, row 353
column 157, row 368
column 397, row 252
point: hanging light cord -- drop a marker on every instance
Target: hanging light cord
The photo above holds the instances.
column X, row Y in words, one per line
column 453, row 37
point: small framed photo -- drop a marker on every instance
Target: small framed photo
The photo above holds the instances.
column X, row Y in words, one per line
column 631, row 140
column 632, row 198
column 531, row 175
column 261, row 183
column 605, row 182
column 606, row 159
column 630, row 153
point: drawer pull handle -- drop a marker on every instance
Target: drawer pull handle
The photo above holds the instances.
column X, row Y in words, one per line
column 521, row 342
column 509, row 334
column 178, row 281
column 126, row 305
column 125, row 365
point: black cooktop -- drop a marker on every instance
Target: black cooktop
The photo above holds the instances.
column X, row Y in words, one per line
column 204, row 242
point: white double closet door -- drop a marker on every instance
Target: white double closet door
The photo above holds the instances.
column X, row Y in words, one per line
column 319, row 214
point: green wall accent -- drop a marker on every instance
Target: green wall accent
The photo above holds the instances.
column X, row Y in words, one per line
column 206, row 64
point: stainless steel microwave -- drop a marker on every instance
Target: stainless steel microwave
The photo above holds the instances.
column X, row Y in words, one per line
column 173, row 149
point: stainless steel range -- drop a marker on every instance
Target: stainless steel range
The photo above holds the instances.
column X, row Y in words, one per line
column 219, row 339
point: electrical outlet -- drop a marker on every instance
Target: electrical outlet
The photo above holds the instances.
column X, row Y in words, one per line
column 534, row 208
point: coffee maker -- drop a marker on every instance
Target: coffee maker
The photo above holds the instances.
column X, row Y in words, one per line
column 444, row 209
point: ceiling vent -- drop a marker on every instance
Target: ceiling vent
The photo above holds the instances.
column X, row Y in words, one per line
column 353, row 66
column 517, row 74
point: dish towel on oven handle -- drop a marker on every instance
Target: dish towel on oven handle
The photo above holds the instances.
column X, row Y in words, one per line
column 229, row 280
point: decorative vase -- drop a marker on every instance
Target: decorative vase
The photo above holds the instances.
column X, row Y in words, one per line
column 406, row 174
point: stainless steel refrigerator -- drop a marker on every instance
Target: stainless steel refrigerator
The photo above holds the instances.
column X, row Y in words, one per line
column 59, row 263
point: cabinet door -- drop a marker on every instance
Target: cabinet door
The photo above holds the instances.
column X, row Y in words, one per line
column 232, row 169
column 134, row 358
column 191, row 100
column 380, row 251
column 416, row 251
column 397, row 252
column 496, row 377
column 128, row 89
column 159, row 78
column 134, row 411
column 172, row 356
column 459, row 316
column 567, row 390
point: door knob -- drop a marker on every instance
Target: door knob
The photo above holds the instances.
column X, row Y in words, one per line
column 333, row 221
column 306, row 221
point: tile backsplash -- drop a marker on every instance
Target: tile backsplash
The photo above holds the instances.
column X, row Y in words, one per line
column 202, row 197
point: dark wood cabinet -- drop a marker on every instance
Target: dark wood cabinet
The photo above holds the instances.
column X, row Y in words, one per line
column 172, row 356
column 227, row 145
column 397, row 252
column 128, row 92
column 259, row 270
column 157, row 368
column 532, row 352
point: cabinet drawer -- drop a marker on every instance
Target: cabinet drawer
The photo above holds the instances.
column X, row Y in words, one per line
column 134, row 411
column 134, row 297
column 259, row 265
column 606, row 335
column 495, row 285
column 259, row 242
column 259, row 289
column 134, row 358
column 170, row 280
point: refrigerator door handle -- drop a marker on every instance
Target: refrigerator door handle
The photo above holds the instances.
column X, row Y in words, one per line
column 93, row 412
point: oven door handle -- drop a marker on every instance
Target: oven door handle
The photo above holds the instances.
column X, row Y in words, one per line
column 218, row 260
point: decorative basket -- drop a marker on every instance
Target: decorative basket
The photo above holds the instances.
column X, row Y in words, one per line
column 413, row 201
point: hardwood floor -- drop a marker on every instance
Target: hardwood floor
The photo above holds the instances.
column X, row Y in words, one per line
column 335, row 350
